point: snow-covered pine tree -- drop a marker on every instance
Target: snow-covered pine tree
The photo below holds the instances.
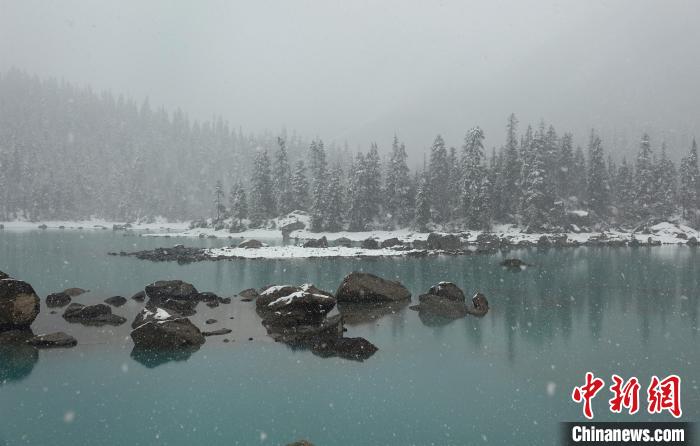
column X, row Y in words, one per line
column 579, row 176
column 690, row 183
column 537, row 200
column 357, row 193
column 511, row 171
column 565, row 163
column 398, row 185
column 238, row 205
column 336, row 201
column 665, row 192
column 422, row 204
column 262, row 203
column 645, row 181
column 282, row 179
column 219, row 207
column 473, row 193
column 454, row 182
column 373, row 183
column 438, row 180
column 299, row 199
column 319, row 184
column 598, row 190
column 624, row 191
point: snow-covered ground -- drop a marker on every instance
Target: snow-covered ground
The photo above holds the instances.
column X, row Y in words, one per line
column 297, row 252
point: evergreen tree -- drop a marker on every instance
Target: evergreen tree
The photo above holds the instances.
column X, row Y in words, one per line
column 318, row 184
column 220, row 209
column 598, row 190
column 579, row 177
column 624, row 190
column 358, row 217
column 335, row 207
column 438, row 177
column 645, row 181
column 423, row 204
column 398, row 185
column 665, row 191
column 262, row 200
column 511, row 170
column 537, row 199
column 690, row 182
column 475, row 193
column 373, row 183
column 299, row 199
column 238, row 204
column 282, row 179
column 565, row 172
column 454, row 181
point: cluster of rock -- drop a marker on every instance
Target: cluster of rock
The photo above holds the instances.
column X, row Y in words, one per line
column 19, row 307
column 300, row 317
column 446, row 300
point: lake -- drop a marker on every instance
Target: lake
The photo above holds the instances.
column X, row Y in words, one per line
column 505, row 378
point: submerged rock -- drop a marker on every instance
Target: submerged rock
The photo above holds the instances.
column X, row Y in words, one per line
column 357, row 349
column 219, row 332
column 116, row 301
column 514, row 264
column 74, row 292
column 99, row 314
column 140, row 296
column 55, row 300
column 248, row 294
column 53, row 340
column 153, row 358
column 301, row 443
column 19, row 304
column 318, row 243
column 173, row 333
column 366, row 287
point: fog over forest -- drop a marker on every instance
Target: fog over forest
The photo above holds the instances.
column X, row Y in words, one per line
column 360, row 71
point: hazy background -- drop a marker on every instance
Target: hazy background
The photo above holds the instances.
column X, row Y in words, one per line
column 359, row 71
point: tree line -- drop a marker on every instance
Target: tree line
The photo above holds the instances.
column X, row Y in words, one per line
column 537, row 179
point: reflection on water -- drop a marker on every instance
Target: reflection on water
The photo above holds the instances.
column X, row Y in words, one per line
column 17, row 359
column 152, row 359
column 630, row 311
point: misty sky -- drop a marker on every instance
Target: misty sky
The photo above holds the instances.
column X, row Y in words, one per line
column 359, row 71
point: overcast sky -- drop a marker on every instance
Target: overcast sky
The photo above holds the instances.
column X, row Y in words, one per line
column 360, row 71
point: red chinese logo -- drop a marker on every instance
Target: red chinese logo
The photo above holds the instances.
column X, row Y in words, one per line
column 587, row 392
column 626, row 395
column 665, row 395
column 662, row 395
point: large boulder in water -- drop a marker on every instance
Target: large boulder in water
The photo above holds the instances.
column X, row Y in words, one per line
column 173, row 333
column 171, row 289
column 175, row 295
column 292, row 305
column 99, row 314
column 19, row 304
column 54, row 300
column 448, row 290
column 366, row 287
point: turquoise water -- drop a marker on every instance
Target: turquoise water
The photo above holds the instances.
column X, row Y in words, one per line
column 502, row 379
